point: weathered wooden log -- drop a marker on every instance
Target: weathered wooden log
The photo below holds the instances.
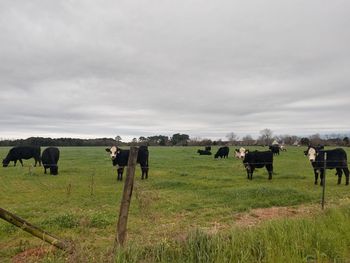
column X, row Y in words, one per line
column 34, row 230
column 126, row 199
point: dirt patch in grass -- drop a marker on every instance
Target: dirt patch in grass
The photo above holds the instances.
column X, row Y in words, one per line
column 31, row 255
column 256, row 216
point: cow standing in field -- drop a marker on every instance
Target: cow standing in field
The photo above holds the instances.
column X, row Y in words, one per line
column 50, row 158
column 335, row 159
column 283, row 148
column 22, row 152
column 256, row 159
column 275, row 149
column 120, row 157
column 222, row 152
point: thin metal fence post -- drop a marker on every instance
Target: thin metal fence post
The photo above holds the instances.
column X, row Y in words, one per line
column 324, row 179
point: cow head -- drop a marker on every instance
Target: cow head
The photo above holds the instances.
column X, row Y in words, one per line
column 5, row 162
column 113, row 151
column 311, row 153
column 240, row 153
column 54, row 170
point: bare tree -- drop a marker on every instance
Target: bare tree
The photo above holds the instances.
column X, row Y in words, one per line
column 266, row 136
column 118, row 139
column 232, row 138
column 315, row 139
column 248, row 140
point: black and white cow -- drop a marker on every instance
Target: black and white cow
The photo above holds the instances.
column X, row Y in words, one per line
column 283, row 148
column 22, row 152
column 258, row 159
column 222, row 152
column 275, row 149
column 204, row 152
column 240, row 153
column 120, row 157
column 50, row 158
column 335, row 159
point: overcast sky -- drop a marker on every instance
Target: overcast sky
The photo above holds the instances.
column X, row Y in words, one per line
column 204, row 68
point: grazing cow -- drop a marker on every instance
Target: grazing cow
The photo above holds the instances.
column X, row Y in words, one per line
column 258, row 159
column 335, row 159
column 283, row 148
column 240, row 153
column 49, row 158
column 204, row 152
column 222, row 152
column 22, row 152
column 275, row 149
column 120, row 157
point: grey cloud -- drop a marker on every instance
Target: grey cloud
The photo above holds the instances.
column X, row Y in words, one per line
column 135, row 68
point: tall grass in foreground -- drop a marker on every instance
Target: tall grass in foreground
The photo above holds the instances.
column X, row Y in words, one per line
column 325, row 238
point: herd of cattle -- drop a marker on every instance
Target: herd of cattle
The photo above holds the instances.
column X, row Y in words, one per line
column 320, row 159
column 49, row 157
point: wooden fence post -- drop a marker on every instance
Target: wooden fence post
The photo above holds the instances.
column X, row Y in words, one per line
column 126, row 199
column 35, row 231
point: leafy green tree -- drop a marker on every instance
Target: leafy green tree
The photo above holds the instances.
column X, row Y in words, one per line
column 180, row 139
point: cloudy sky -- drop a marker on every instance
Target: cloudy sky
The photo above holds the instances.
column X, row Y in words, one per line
column 206, row 68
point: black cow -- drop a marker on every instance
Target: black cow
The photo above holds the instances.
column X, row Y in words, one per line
column 275, row 149
column 120, row 157
column 204, row 152
column 258, row 159
column 49, row 158
column 22, row 152
column 222, row 152
column 208, row 148
column 335, row 159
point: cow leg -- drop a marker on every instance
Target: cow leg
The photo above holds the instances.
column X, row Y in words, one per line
column 144, row 170
column 269, row 169
column 346, row 172
column 248, row 169
column 44, row 170
column 15, row 161
column 120, row 173
column 251, row 173
column 339, row 173
column 20, row 160
column 316, row 175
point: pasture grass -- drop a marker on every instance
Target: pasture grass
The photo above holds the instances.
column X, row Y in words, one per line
column 184, row 197
column 318, row 239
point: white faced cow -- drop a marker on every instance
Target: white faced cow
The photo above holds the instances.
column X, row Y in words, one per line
column 120, row 157
column 328, row 159
column 240, row 153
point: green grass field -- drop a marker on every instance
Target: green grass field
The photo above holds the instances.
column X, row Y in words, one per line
column 184, row 199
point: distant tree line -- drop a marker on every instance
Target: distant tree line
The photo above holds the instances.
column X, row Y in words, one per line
column 41, row 141
column 266, row 138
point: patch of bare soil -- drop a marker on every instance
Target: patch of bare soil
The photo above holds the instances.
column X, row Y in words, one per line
column 256, row 216
column 31, row 255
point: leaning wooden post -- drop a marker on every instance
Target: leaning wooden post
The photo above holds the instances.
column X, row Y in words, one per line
column 126, row 199
column 35, row 231
column 324, row 179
